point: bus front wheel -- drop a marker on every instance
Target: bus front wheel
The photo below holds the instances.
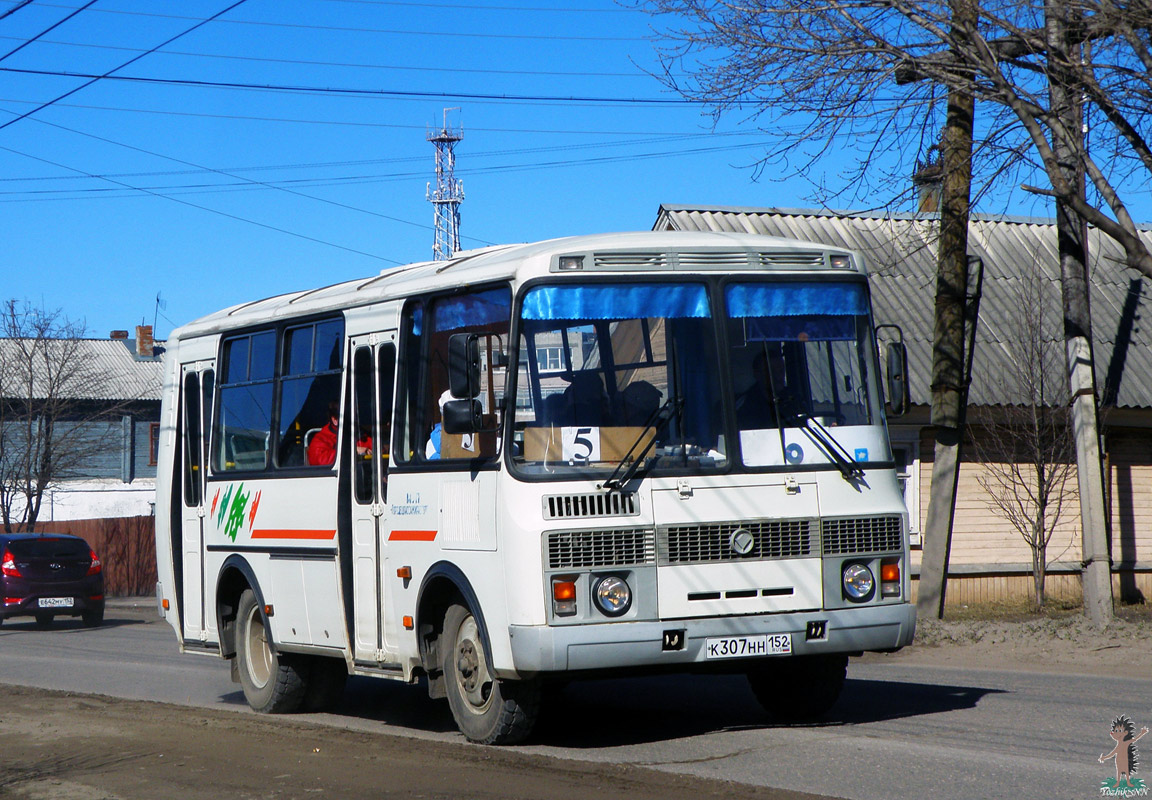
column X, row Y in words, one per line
column 272, row 683
column 487, row 710
column 798, row 688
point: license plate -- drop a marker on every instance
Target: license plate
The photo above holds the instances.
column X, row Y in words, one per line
column 55, row 602
column 776, row 644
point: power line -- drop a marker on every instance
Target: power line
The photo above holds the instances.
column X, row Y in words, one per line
column 132, row 60
column 344, row 163
column 350, row 65
column 202, row 168
column 474, row 7
column 354, row 124
column 385, row 31
column 245, row 185
column 344, row 91
column 202, row 208
column 48, row 30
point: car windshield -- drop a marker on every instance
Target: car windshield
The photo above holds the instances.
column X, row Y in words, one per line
column 612, row 373
column 801, row 355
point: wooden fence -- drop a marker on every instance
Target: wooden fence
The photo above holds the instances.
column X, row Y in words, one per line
column 126, row 547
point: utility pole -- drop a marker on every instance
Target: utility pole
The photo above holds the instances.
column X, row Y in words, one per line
column 449, row 191
column 1072, row 244
column 950, row 356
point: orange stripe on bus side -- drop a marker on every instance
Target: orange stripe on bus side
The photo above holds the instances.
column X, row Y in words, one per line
column 412, row 536
column 292, row 533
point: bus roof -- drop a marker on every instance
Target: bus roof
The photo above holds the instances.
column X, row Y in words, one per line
column 636, row 252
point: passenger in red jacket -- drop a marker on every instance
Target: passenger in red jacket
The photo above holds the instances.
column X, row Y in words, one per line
column 322, row 448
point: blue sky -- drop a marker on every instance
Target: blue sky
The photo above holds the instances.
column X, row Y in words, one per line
column 180, row 175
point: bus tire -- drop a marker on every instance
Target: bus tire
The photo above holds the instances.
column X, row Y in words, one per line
column 273, row 683
column 799, row 688
column 487, row 710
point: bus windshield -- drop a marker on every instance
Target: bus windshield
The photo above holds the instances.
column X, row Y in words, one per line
column 617, row 372
column 801, row 356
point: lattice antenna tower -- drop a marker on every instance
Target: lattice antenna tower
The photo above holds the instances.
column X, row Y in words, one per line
column 449, row 192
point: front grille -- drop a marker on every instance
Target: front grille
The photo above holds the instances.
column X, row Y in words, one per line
column 597, row 549
column 861, row 535
column 595, row 504
column 685, row 544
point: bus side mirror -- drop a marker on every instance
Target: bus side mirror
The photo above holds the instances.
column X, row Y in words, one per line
column 463, row 416
column 464, row 365
column 898, row 393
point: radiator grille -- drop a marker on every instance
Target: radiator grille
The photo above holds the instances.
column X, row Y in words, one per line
column 595, row 504
column 596, row 549
column 685, row 544
column 861, row 535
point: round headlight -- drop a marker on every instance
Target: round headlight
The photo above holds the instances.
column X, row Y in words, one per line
column 613, row 596
column 858, row 582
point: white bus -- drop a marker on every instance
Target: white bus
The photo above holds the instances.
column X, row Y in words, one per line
column 578, row 458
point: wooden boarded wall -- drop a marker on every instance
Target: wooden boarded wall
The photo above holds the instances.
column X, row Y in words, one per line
column 126, row 547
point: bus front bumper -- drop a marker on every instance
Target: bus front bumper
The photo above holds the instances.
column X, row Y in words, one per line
column 617, row 645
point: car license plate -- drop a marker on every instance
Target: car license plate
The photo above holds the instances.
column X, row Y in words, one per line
column 776, row 644
column 55, row 602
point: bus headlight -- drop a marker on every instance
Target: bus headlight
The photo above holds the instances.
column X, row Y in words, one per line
column 859, row 583
column 613, row 595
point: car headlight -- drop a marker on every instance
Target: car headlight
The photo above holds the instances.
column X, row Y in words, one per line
column 859, row 583
column 613, row 596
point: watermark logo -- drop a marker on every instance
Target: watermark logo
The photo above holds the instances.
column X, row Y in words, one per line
column 1127, row 759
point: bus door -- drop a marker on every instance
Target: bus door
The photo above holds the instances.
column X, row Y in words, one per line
column 373, row 374
column 196, row 385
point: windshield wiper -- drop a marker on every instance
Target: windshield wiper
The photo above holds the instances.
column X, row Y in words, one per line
column 672, row 407
column 835, row 451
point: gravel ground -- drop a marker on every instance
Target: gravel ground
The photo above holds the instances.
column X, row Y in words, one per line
column 1060, row 642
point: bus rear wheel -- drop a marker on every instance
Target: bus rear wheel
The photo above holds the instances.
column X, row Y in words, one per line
column 799, row 688
column 487, row 710
column 273, row 683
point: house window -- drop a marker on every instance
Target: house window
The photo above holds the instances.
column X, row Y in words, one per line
column 153, row 442
column 549, row 358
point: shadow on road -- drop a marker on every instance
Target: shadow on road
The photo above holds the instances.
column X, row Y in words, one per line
column 598, row 714
column 17, row 625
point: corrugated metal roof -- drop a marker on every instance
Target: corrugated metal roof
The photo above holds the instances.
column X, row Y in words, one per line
column 101, row 369
column 901, row 250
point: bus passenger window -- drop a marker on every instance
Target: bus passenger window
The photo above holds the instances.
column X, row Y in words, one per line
column 244, row 423
column 309, row 394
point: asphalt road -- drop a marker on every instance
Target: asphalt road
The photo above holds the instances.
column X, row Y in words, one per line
column 899, row 730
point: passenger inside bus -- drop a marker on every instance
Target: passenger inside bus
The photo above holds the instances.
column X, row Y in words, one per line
column 322, row 447
column 756, row 406
column 583, row 401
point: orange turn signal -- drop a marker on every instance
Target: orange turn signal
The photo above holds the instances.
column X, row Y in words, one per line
column 408, row 623
column 405, row 573
column 563, row 590
column 889, row 572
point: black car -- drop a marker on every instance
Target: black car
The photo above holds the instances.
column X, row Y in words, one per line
column 45, row 575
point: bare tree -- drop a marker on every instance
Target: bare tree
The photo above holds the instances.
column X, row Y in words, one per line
column 49, row 414
column 871, row 77
column 1028, row 451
